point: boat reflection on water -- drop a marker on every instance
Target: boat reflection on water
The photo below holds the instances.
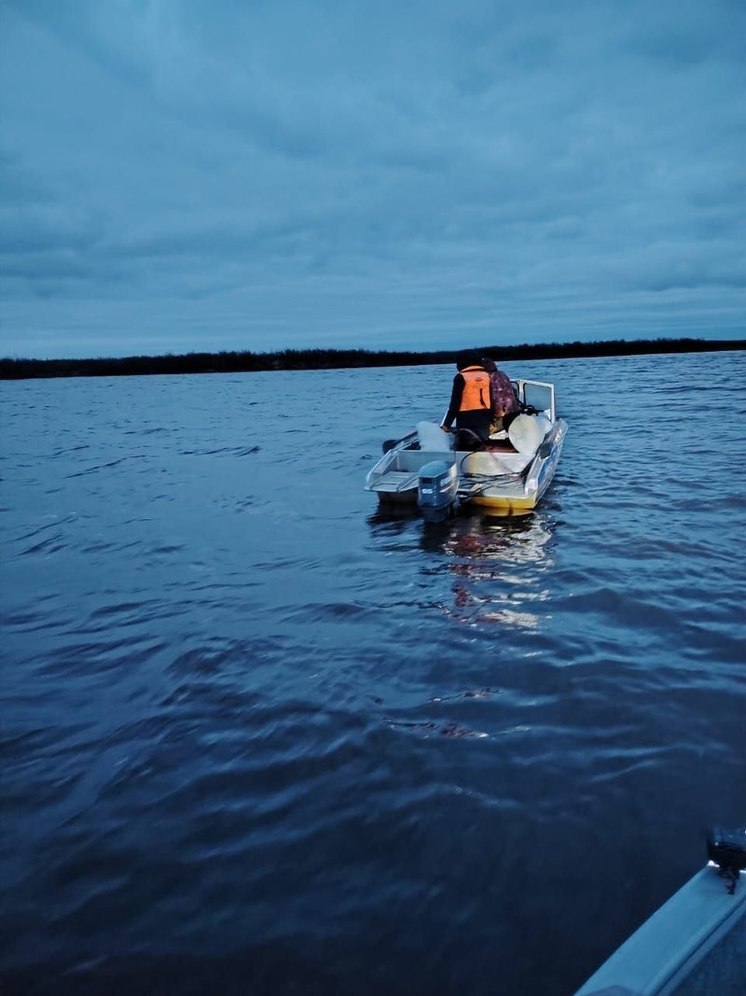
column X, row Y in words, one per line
column 498, row 567
column 480, row 572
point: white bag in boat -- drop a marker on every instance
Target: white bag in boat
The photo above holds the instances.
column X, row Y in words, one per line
column 433, row 438
column 527, row 431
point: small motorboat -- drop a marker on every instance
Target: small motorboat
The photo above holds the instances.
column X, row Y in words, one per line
column 506, row 475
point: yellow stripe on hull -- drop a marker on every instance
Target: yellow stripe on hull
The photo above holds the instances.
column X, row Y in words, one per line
column 506, row 506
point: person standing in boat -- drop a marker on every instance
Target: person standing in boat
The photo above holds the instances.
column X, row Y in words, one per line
column 505, row 404
column 471, row 401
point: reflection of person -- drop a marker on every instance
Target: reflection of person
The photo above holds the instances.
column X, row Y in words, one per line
column 471, row 399
column 505, row 404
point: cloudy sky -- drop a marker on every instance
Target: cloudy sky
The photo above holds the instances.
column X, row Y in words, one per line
column 257, row 174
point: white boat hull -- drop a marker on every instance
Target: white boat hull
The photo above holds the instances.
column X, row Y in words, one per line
column 695, row 943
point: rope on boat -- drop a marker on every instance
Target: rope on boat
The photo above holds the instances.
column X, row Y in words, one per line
column 487, row 480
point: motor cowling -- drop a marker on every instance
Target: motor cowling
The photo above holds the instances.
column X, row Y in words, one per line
column 437, row 488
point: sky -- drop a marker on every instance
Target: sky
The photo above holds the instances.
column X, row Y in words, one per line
column 182, row 175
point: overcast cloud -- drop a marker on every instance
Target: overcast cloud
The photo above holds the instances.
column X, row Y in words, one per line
column 225, row 174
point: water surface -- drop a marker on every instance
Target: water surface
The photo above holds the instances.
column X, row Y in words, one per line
column 257, row 737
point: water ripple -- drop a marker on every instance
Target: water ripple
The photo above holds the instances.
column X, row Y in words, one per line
column 258, row 735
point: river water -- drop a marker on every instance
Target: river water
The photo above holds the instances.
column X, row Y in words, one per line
column 259, row 738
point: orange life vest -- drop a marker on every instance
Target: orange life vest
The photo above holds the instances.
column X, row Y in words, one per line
column 476, row 394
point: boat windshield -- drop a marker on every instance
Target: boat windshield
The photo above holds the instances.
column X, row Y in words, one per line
column 538, row 395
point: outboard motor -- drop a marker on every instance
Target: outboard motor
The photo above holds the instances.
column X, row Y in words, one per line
column 436, row 490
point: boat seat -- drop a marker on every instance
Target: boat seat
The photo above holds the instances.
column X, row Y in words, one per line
column 394, row 481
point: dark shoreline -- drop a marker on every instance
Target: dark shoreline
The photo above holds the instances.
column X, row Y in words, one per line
column 326, row 359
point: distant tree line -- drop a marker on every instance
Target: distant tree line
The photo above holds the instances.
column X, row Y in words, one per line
column 324, row 359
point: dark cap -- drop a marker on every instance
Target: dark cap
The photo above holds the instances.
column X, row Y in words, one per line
column 468, row 358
